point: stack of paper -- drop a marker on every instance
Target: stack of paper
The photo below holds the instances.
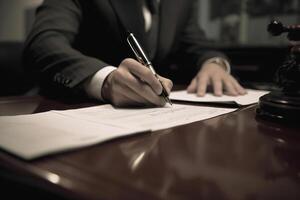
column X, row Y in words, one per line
column 32, row 136
column 251, row 97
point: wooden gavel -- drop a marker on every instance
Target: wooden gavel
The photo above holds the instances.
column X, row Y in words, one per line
column 276, row 28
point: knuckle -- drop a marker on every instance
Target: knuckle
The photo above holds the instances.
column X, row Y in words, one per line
column 143, row 88
column 202, row 77
column 149, row 74
column 202, row 73
column 117, row 73
column 127, row 62
column 118, row 76
column 170, row 83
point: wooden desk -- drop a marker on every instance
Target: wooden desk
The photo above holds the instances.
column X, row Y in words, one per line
column 234, row 156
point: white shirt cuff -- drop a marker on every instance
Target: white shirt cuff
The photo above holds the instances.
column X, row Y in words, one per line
column 93, row 85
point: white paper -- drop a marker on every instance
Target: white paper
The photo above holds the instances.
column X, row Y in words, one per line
column 146, row 118
column 31, row 136
column 251, row 97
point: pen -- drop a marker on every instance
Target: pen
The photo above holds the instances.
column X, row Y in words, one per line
column 143, row 59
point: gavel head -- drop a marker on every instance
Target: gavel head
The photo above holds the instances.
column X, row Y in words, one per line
column 276, row 28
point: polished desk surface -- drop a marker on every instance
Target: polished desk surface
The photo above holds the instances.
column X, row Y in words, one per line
column 234, row 156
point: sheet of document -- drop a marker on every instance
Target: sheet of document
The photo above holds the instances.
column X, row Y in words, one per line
column 32, row 136
column 251, row 97
column 145, row 118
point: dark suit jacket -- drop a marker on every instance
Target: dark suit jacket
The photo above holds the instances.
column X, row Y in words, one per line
column 72, row 39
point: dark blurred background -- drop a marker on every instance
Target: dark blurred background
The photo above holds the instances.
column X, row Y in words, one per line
column 16, row 19
column 238, row 27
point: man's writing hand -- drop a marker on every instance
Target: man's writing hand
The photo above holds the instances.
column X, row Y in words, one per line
column 133, row 84
column 212, row 74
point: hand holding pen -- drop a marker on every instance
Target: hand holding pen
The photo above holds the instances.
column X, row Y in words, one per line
column 133, row 84
column 143, row 59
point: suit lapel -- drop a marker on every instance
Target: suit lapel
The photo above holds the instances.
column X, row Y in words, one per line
column 130, row 15
column 170, row 11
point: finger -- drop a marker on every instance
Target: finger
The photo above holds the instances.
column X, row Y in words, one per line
column 167, row 84
column 192, row 88
column 142, row 89
column 127, row 100
column 144, row 74
column 229, row 87
column 238, row 87
column 124, row 81
column 202, row 84
column 120, row 100
column 134, row 99
column 117, row 98
column 217, row 85
column 125, row 97
column 148, row 95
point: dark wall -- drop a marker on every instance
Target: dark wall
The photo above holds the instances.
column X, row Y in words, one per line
column 256, row 65
column 13, row 79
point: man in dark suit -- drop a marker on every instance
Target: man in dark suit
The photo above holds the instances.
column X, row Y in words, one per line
column 80, row 46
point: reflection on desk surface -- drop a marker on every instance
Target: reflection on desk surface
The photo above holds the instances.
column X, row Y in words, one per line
column 233, row 156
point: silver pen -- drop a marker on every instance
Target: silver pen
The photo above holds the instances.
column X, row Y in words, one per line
column 143, row 59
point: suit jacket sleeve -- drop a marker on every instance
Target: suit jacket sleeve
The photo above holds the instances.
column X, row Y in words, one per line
column 193, row 43
column 50, row 51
